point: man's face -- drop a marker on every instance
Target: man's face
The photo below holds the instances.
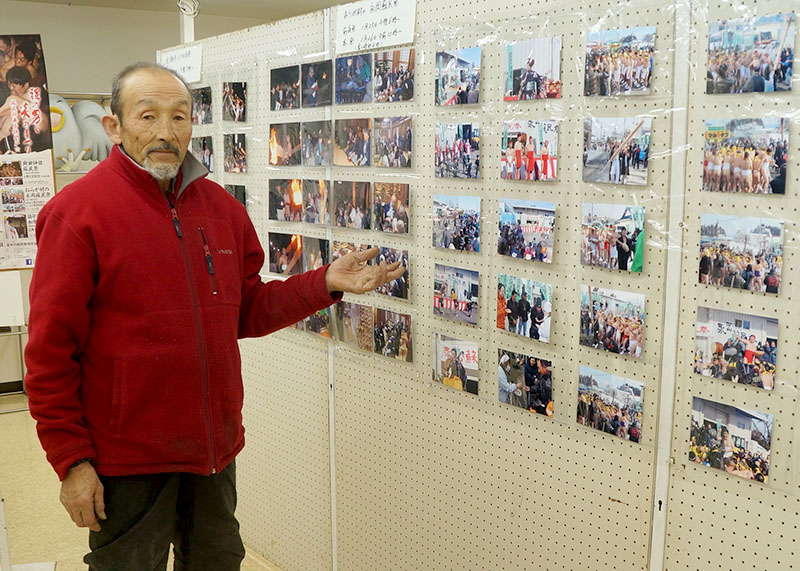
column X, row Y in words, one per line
column 18, row 90
column 20, row 60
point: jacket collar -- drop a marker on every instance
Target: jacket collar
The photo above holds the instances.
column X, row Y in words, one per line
column 190, row 171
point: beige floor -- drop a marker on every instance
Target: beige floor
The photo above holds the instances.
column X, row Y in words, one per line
column 39, row 529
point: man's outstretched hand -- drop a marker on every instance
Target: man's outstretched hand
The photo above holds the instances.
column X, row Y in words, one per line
column 351, row 274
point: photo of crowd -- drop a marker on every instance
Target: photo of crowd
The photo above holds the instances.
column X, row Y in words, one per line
column 529, row 150
column 391, row 207
column 741, row 252
column 533, row 69
column 317, row 79
column 394, row 75
column 751, row 54
column 13, row 198
column 317, row 144
column 285, row 253
column 455, row 293
column 320, row 323
column 15, row 227
column 524, row 307
column 203, row 151
column 746, row 155
column 286, row 200
column 352, row 146
column 284, row 144
column 235, row 157
column 201, row 106
column 355, row 325
column 315, row 201
column 392, row 142
column 619, row 62
column 234, row 101
column 284, row 88
column 732, row 439
column 526, row 229
column 616, row 150
column 316, row 253
column 457, row 150
column 612, row 236
column 239, row 192
column 393, row 336
column 525, row 381
column 737, row 347
column 610, row 403
column 400, row 286
column 343, row 248
column 612, row 320
column 352, row 204
column 457, row 222
column 354, row 79
column 455, row 363
column 458, row 76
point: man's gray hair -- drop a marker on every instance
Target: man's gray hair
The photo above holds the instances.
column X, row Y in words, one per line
column 119, row 81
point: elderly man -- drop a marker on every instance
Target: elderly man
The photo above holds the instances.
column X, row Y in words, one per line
column 147, row 274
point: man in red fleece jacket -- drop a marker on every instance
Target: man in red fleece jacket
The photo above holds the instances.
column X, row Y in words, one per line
column 147, row 274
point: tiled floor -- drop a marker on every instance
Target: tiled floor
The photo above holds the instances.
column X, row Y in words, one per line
column 39, row 530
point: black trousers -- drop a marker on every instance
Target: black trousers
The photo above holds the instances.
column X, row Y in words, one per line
column 148, row 513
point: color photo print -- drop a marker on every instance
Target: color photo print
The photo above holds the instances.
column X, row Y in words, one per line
column 316, row 253
column 352, row 146
column 457, row 150
column 400, row 286
column 320, row 323
column 456, row 293
column 239, row 192
column 201, row 106
column 619, row 62
column 394, row 75
column 352, row 204
column 284, row 144
column 524, row 307
column 455, row 363
column 612, row 320
column 746, row 155
column 284, row 88
column 752, row 54
column 286, row 200
column 317, row 82
column 235, row 158
column 525, row 381
column 458, row 76
column 285, row 253
column 203, row 151
column 316, row 202
column 354, row 79
column 343, row 248
column 526, row 229
column 732, row 439
column 355, row 325
column 393, row 336
column 234, row 101
column 533, row 69
column 610, row 403
column 392, row 214
column 612, row 236
column 317, row 145
column 616, row 150
column 741, row 252
column 529, row 150
column 457, row 222
column 736, row 347
column 392, row 142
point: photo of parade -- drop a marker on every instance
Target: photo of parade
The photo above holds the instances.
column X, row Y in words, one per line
column 392, row 207
column 392, row 142
column 284, row 144
column 234, row 101
column 315, row 201
column 235, row 157
column 354, row 79
column 239, row 192
column 351, row 143
column 285, row 253
column 355, row 325
column 343, row 248
column 352, row 204
column 526, row 229
column 455, row 363
column 203, row 151
column 610, row 403
column 732, row 439
column 524, row 307
column 457, row 222
column 201, row 106
column 317, row 144
column 619, row 62
column 316, row 253
column 612, row 236
column 393, row 335
column 525, row 381
column 400, row 286
column 458, row 76
column 457, row 150
column 320, row 323
column 616, row 150
column 529, row 150
column 284, row 88
column 317, row 80
column 746, row 155
column 612, row 320
column 736, row 347
column 533, row 69
column 286, row 200
column 455, row 293
column 741, row 252
column 752, row 54
column 13, row 198
column 394, row 75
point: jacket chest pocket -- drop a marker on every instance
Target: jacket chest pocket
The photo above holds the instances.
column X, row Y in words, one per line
column 217, row 264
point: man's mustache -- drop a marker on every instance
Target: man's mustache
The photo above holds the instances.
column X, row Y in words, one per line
column 165, row 148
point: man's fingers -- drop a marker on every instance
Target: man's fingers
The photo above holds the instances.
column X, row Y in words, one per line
column 365, row 255
column 99, row 502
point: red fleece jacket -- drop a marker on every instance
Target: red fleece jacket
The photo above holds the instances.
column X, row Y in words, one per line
column 132, row 356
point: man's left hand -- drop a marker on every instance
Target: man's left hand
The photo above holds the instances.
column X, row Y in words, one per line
column 350, row 273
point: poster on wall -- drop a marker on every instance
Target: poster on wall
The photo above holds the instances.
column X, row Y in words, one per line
column 368, row 25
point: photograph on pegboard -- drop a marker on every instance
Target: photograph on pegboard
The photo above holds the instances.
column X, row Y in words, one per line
column 525, row 381
column 524, row 307
column 456, row 293
column 619, row 62
column 612, row 320
column 529, row 150
column 455, row 363
column 533, row 69
column 610, row 403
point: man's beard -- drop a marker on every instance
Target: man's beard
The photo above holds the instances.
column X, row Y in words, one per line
column 162, row 171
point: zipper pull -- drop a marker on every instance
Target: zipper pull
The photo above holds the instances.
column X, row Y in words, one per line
column 176, row 222
column 209, row 261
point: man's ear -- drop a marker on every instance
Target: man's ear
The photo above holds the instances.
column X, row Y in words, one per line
column 111, row 125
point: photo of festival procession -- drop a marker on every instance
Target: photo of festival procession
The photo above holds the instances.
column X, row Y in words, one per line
column 286, row 200
column 612, row 320
column 737, row 347
column 455, row 293
column 394, row 75
column 354, row 79
column 239, row 192
column 619, row 62
column 234, row 101
column 284, row 88
column 320, row 323
column 400, row 286
column 612, row 236
column 315, row 202
column 284, row 144
column 203, row 151
column 392, row 142
column 343, row 248
column 526, row 229
column 235, row 157
column 355, row 325
column 746, row 155
column 201, row 106
column 352, row 204
column 525, row 381
column 529, row 150
column 457, row 222
column 741, row 252
column 393, row 335
column 457, row 150
column 316, row 253
column 524, row 307
column 351, row 143
column 317, row 144
column 752, row 54
column 610, row 403
column 317, row 80
column 735, row 440
column 13, row 198
column 616, row 150
column 455, row 363
column 391, row 207
column 533, row 69
column 458, row 76
column 285, row 253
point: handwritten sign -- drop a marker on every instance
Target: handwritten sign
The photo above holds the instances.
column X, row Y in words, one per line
column 372, row 24
column 185, row 61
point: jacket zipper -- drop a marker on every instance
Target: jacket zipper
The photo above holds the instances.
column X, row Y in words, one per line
column 209, row 261
column 201, row 344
